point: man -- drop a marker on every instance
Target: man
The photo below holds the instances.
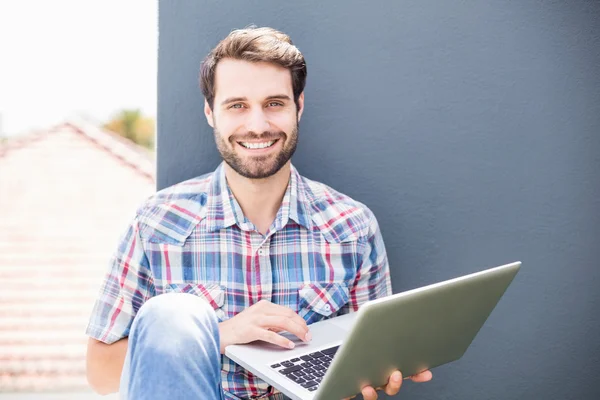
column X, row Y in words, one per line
column 236, row 255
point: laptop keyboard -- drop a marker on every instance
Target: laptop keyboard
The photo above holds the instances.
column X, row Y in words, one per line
column 308, row 370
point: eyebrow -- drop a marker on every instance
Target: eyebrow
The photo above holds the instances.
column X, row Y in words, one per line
column 273, row 97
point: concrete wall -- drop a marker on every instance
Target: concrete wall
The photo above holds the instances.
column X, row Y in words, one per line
column 471, row 129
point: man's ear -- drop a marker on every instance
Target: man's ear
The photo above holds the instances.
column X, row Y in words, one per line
column 300, row 105
column 209, row 114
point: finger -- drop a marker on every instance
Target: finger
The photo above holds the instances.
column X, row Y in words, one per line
column 424, row 376
column 394, row 383
column 272, row 337
column 283, row 323
column 276, row 309
column 286, row 312
column 369, row 393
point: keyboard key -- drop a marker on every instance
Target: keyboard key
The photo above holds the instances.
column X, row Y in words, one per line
column 331, row 351
column 308, row 370
column 289, row 370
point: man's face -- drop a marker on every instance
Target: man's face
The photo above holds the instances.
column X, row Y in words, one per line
column 254, row 117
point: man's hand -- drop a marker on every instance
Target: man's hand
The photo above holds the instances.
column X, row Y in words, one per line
column 262, row 321
column 393, row 386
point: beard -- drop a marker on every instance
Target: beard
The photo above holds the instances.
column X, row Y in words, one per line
column 260, row 166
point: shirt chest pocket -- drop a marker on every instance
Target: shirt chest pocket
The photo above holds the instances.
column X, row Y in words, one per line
column 212, row 293
column 319, row 301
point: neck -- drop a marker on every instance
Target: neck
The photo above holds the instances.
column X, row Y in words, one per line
column 260, row 199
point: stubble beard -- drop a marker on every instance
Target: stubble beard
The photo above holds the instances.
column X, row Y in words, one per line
column 257, row 167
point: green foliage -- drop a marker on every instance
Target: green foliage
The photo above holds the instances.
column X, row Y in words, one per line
column 133, row 125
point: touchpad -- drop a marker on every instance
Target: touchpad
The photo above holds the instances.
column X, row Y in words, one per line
column 323, row 333
column 346, row 322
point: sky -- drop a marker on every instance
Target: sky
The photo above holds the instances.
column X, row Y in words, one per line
column 64, row 58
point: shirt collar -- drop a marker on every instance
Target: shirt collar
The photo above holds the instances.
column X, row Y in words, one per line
column 224, row 211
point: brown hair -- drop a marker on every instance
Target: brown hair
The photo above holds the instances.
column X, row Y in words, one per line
column 255, row 45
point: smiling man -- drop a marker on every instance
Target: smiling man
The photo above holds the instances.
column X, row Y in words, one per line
column 236, row 255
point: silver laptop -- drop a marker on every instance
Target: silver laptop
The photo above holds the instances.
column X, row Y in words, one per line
column 411, row 331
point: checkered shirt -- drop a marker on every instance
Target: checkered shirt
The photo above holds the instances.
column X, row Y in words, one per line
column 322, row 257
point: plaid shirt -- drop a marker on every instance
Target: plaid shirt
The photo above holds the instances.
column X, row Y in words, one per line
column 322, row 257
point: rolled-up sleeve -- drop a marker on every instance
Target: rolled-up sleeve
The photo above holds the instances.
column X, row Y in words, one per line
column 127, row 285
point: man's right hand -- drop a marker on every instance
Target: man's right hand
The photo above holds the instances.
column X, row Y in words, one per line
column 262, row 321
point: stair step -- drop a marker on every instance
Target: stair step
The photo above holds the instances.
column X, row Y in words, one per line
column 9, row 352
column 34, row 337
column 42, row 382
column 43, row 367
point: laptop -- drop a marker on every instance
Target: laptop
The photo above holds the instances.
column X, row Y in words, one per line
column 410, row 331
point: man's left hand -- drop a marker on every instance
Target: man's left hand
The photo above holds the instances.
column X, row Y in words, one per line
column 393, row 386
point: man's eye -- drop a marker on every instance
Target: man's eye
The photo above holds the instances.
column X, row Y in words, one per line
column 237, row 106
column 275, row 104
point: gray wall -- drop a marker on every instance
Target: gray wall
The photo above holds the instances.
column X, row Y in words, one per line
column 471, row 129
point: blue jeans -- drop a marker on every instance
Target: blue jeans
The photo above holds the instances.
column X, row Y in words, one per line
column 174, row 351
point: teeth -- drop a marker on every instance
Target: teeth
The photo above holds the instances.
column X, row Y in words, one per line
column 262, row 145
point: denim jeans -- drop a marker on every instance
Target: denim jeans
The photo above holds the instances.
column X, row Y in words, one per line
column 173, row 351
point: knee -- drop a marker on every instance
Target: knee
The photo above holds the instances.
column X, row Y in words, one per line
column 175, row 330
column 177, row 314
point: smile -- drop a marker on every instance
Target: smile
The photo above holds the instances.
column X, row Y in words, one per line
column 258, row 145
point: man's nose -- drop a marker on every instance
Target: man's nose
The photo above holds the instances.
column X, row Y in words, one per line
column 257, row 122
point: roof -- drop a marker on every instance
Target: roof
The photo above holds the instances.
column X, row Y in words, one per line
column 66, row 195
column 122, row 149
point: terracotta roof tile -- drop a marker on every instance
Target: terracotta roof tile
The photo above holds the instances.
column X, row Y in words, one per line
column 66, row 195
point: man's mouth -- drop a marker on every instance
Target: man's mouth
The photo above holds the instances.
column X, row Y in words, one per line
column 258, row 145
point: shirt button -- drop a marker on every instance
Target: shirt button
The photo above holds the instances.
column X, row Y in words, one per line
column 261, row 252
